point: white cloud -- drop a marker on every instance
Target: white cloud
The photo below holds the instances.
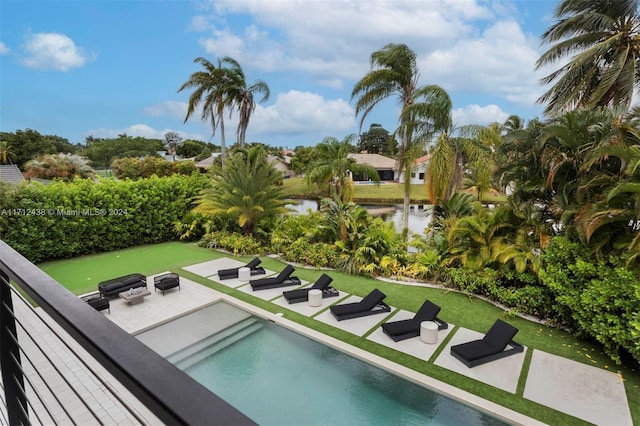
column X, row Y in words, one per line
column 167, row 109
column 54, row 51
column 501, row 62
column 4, row 49
column 302, row 112
column 335, row 42
column 476, row 114
column 141, row 130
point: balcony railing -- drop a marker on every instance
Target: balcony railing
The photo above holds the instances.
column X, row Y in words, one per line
column 62, row 362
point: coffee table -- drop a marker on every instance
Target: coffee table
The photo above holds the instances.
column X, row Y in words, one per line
column 136, row 296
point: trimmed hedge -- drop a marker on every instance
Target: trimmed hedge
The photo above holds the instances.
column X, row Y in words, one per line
column 62, row 220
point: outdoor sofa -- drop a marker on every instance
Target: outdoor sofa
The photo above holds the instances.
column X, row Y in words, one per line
column 227, row 274
column 283, row 279
column 490, row 348
column 302, row 295
column 372, row 304
column 115, row 286
column 405, row 329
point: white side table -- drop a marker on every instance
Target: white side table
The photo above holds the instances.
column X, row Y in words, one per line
column 315, row 297
column 429, row 332
column 244, row 274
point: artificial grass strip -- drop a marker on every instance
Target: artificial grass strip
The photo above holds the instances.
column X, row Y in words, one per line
column 522, row 381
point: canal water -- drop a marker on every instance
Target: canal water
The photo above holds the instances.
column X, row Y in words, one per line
column 419, row 214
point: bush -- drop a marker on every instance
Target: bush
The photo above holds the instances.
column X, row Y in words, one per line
column 598, row 298
column 68, row 219
column 318, row 254
column 133, row 168
column 238, row 244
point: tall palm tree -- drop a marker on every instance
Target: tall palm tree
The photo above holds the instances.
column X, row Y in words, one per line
column 211, row 88
column 424, row 110
column 6, row 154
column 333, row 168
column 604, row 38
column 242, row 96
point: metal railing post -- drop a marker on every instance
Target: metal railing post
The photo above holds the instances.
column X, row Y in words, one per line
column 12, row 377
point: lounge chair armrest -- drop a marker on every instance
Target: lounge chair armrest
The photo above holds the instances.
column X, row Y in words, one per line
column 441, row 324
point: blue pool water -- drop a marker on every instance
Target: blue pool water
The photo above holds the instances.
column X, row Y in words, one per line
column 278, row 377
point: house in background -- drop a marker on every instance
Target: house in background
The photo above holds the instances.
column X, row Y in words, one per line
column 385, row 166
column 10, row 173
column 283, row 164
column 418, row 172
column 204, row 165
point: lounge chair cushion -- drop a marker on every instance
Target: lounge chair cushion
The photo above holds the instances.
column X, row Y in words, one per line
column 275, row 281
column 368, row 303
column 475, row 350
column 254, row 262
column 499, row 335
column 427, row 312
column 302, row 294
column 402, row 327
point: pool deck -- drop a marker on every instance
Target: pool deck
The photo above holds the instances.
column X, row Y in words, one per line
column 588, row 393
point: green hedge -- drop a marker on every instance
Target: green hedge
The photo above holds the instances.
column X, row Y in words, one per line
column 62, row 220
column 599, row 298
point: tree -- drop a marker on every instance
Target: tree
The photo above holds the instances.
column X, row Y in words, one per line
column 333, row 168
column 424, row 110
column 377, row 140
column 244, row 190
column 190, row 148
column 211, row 88
column 450, row 157
column 304, row 156
column 172, row 141
column 604, row 38
column 6, row 153
column 242, row 97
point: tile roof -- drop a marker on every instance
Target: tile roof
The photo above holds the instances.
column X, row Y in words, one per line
column 375, row 160
column 10, row 173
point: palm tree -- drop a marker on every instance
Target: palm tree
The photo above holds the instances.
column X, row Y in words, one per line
column 604, row 38
column 211, row 88
column 245, row 190
column 424, row 110
column 333, row 168
column 243, row 97
column 451, row 156
column 6, row 154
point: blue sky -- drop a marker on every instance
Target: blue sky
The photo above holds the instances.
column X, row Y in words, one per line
column 102, row 68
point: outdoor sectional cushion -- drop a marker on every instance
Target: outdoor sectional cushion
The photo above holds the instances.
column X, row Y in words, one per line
column 371, row 304
column 118, row 285
column 302, row 295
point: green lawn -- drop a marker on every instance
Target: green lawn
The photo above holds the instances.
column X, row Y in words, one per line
column 384, row 193
column 81, row 275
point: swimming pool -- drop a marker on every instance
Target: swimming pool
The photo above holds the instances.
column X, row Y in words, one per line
column 276, row 376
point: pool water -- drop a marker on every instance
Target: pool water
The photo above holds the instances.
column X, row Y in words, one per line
column 278, row 377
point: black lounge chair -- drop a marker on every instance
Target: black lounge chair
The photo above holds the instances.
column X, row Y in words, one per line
column 227, row 274
column 372, row 304
column 405, row 329
column 282, row 280
column 302, row 295
column 491, row 347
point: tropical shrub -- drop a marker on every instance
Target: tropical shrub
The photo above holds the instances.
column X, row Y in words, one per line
column 69, row 219
column 233, row 242
column 314, row 254
column 134, row 168
column 600, row 299
column 246, row 191
column 58, row 166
